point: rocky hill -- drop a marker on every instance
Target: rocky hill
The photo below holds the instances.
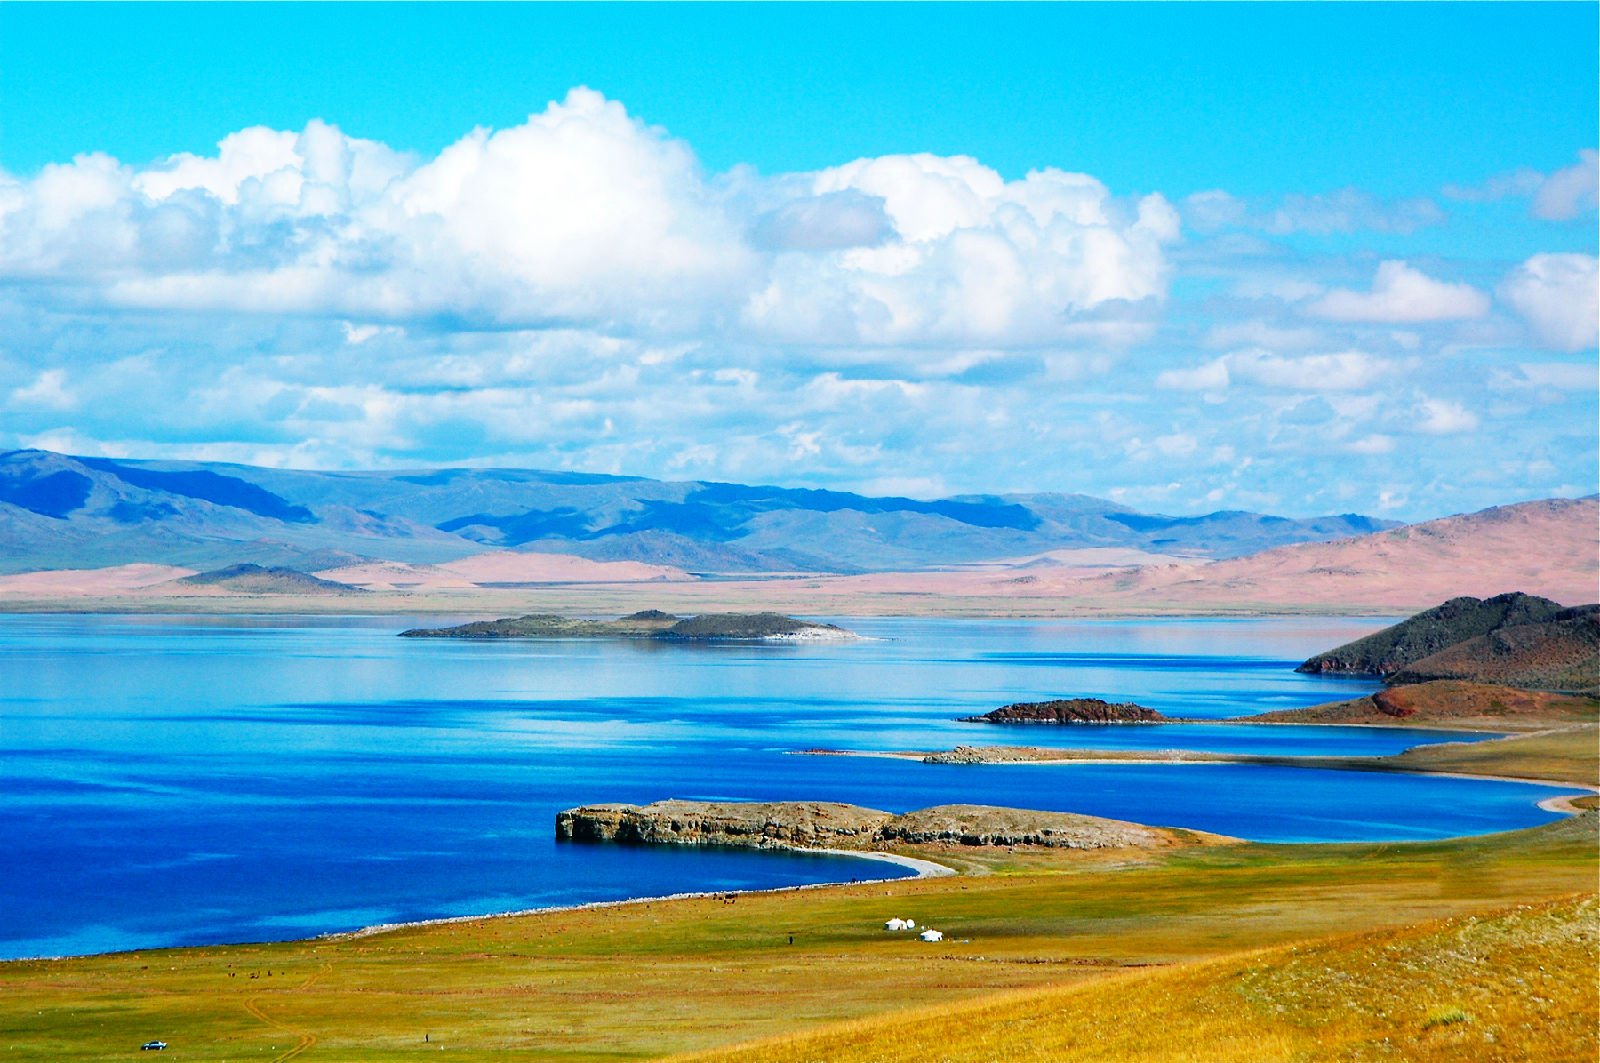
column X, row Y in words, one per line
column 801, row 824
column 1561, row 652
column 1069, row 711
column 60, row 512
column 1512, row 639
column 1387, row 651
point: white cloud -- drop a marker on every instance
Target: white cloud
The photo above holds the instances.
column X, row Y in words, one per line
column 1402, row 295
column 1338, row 371
column 1372, row 444
column 47, row 392
column 1440, row 418
column 1563, row 195
column 1345, row 211
column 584, row 216
column 1568, row 192
column 972, row 259
column 1559, row 296
column 1209, row 376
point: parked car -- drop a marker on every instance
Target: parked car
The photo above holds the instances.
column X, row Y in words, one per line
column 153, row 1046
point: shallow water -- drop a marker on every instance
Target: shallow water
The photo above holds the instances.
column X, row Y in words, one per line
column 175, row 780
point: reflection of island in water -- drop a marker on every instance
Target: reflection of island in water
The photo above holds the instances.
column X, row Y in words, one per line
column 648, row 624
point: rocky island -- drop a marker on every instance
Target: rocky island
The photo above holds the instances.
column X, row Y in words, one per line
column 648, row 624
column 1069, row 711
column 825, row 825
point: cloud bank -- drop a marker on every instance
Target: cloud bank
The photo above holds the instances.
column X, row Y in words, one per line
column 578, row 292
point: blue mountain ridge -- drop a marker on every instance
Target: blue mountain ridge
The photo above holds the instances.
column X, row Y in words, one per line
column 60, row 511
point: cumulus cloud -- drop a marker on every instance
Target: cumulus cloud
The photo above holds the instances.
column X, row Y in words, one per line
column 1401, row 295
column 972, row 258
column 1559, row 296
column 585, row 216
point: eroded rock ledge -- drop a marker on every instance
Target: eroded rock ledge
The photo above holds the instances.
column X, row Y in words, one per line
column 1069, row 711
column 806, row 824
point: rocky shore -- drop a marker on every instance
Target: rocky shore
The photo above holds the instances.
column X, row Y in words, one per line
column 814, row 825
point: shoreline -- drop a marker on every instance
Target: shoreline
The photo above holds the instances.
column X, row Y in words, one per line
column 1556, row 803
column 920, row 868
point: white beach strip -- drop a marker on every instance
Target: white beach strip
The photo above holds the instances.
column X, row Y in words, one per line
column 923, row 869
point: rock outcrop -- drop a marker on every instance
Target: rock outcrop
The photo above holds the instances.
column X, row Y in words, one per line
column 755, row 823
column 801, row 824
column 1394, row 648
column 647, row 624
column 1069, row 711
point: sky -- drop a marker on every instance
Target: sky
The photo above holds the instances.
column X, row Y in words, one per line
column 1294, row 258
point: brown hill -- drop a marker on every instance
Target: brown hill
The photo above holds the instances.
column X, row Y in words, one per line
column 1545, row 548
column 1562, row 653
column 1395, row 647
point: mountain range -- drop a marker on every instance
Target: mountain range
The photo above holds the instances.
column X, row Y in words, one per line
column 63, row 512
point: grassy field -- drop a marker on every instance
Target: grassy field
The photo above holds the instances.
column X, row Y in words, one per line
column 1516, row 984
column 651, row 979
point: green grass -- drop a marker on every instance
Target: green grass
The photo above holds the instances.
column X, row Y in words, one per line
column 647, row 980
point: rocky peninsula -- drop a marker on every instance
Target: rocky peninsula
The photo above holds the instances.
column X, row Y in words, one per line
column 648, row 624
column 824, row 825
column 1069, row 711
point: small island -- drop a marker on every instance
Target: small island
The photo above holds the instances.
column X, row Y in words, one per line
column 648, row 624
column 1069, row 711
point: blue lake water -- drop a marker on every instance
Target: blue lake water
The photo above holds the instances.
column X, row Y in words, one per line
column 184, row 780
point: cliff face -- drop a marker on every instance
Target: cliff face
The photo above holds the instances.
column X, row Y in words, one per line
column 1430, row 631
column 836, row 826
column 1069, row 711
column 756, row 823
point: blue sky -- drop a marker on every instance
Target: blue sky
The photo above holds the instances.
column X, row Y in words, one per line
column 1300, row 258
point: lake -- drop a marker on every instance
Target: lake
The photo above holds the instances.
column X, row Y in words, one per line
column 188, row 780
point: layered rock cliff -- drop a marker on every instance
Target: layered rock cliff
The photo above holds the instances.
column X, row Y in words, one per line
column 801, row 824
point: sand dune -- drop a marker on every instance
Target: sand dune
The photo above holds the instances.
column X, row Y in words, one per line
column 90, row 582
column 498, row 569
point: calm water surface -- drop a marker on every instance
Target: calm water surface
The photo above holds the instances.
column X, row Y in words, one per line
column 182, row 780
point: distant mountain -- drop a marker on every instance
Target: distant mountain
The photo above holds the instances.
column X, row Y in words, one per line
column 58, row 512
column 1394, row 648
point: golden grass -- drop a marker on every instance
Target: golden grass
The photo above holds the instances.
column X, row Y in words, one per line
column 646, row 980
column 1571, row 754
column 1514, row 985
